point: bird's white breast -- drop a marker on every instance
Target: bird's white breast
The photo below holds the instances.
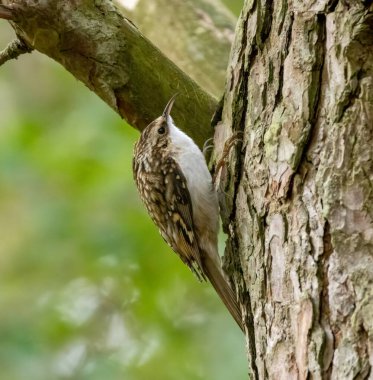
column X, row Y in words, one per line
column 199, row 181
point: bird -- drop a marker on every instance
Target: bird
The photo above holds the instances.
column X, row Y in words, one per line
column 176, row 188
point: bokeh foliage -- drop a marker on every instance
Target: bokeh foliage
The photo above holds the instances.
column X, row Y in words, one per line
column 88, row 289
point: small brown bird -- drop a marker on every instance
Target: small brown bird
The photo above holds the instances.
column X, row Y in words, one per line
column 176, row 187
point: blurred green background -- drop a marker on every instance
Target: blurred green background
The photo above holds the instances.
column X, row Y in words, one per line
column 88, row 289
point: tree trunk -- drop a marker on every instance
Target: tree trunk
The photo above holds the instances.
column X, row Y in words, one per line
column 297, row 190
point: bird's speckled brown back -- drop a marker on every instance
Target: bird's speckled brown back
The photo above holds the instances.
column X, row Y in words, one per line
column 176, row 188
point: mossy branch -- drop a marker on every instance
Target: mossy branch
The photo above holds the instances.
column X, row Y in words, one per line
column 105, row 51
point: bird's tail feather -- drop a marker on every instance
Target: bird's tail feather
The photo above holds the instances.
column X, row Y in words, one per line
column 222, row 287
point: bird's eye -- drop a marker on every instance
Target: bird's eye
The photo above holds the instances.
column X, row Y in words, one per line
column 161, row 130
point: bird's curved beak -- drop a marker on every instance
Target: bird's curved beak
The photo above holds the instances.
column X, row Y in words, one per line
column 169, row 105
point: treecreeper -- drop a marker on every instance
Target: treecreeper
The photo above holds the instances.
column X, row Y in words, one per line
column 176, row 188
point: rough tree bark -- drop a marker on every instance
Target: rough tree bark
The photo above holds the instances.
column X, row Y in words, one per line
column 298, row 203
column 296, row 192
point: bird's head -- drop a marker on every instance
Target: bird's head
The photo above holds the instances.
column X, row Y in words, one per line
column 157, row 132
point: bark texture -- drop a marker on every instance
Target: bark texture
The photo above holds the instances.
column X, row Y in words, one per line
column 297, row 194
column 105, row 51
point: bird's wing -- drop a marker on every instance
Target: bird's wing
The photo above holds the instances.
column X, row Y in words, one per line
column 186, row 245
column 180, row 227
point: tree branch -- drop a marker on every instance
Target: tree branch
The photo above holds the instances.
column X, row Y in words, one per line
column 14, row 50
column 6, row 12
column 197, row 35
column 107, row 52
